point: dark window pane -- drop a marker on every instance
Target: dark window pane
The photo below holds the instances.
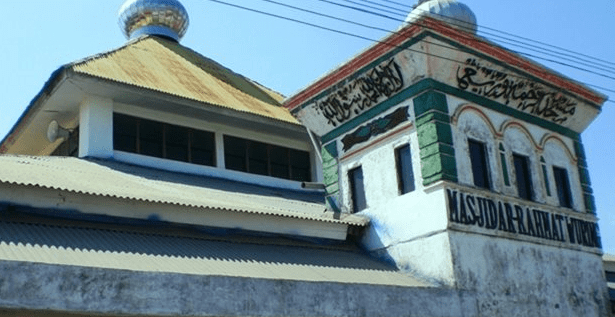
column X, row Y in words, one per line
column 235, row 153
column 563, row 186
column 357, row 191
column 257, row 158
column 150, row 138
column 177, row 143
column 279, row 159
column 203, row 148
column 405, row 176
column 478, row 158
column 124, row 133
column 300, row 165
column 73, row 143
column 523, row 175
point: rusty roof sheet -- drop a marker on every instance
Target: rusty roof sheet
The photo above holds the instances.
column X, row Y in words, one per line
column 166, row 66
column 99, row 179
column 158, row 253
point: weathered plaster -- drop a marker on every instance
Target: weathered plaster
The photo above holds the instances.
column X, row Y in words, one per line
column 495, row 129
column 513, row 278
column 115, row 292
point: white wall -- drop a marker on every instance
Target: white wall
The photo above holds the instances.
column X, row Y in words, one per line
column 96, row 127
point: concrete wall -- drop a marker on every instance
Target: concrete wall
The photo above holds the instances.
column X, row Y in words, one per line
column 515, row 136
column 116, row 292
column 514, row 278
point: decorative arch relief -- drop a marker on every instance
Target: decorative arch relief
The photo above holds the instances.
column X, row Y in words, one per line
column 498, row 133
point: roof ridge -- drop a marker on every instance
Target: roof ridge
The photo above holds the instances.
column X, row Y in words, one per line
column 103, row 54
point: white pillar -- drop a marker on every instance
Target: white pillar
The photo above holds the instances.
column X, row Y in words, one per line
column 96, row 127
column 220, row 162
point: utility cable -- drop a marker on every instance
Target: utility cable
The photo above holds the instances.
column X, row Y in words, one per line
column 462, row 24
column 355, row 35
column 437, row 44
column 523, row 53
column 467, row 37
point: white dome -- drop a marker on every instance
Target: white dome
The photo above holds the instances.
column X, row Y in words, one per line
column 452, row 12
column 155, row 17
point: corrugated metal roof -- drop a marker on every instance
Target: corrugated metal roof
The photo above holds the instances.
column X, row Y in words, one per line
column 114, row 180
column 166, row 66
column 115, row 249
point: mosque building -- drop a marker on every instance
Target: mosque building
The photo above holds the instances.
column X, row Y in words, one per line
column 433, row 174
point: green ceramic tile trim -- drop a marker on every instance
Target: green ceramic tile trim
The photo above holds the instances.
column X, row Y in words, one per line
column 436, row 148
column 590, row 202
column 435, row 138
column 431, row 132
column 543, row 164
column 430, row 84
column 332, row 189
column 430, row 101
column 438, row 167
column 330, row 167
column 433, row 115
column 504, row 165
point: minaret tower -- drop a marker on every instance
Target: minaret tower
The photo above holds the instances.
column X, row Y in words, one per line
column 467, row 159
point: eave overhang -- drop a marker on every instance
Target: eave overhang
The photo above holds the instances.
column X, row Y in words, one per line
column 424, row 39
column 62, row 95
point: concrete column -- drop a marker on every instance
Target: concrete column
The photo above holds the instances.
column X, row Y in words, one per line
column 96, row 127
column 220, row 162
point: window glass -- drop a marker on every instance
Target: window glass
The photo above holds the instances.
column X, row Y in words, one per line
column 257, row 158
column 300, row 165
column 357, row 190
column 279, row 162
column 202, row 148
column 266, row 159
column 177, row 139
column 124, row 133
column 478, row 159
column 235, row 153
column 405, row 176
column 523, row 176
column 563, row 186
column 150, row 138
column 147, row 137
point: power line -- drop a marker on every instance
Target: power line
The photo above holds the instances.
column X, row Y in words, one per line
column 467, row 37
column 358, row 36
column 462, row 25
column 437, row 44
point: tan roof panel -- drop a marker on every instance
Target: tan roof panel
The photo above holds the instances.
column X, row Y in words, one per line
column 87, row 177
column 166, row 66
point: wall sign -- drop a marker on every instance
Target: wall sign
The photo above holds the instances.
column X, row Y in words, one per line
column 376, row 127
column 497, row 215
column 519, row 93
column 362, row 93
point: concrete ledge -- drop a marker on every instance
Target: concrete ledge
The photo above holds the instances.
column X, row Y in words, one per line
column 28, row 287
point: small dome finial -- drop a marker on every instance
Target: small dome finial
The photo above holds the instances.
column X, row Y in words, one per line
column 455, row 13
column 166, row 18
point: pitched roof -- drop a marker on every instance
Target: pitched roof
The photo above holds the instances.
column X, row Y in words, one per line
column 118, row 180
column 159, row 64
column 183, row 253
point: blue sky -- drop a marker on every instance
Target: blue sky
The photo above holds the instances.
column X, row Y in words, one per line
column 41, row 35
